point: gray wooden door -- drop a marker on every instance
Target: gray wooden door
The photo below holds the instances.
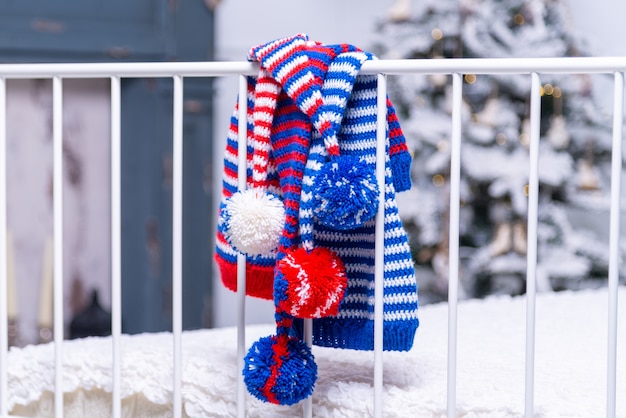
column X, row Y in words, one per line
column 140, row 30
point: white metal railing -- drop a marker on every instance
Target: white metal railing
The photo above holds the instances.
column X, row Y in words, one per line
column 4, row 320
column 179, row 71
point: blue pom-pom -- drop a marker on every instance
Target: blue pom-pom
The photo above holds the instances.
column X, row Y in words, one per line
column 280, row 370
column 345, row 193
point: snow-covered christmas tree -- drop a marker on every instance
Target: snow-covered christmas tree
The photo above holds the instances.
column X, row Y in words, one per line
column 574, row 164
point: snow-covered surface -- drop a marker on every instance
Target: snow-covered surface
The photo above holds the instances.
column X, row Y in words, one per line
column 570, row 378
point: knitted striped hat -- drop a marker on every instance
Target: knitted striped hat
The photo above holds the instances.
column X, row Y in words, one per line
column 252, row 220
column 289, row 142
column 281, row 368
column 310, row 281
column 259, row 267
column 300, row 67
column 353, row 326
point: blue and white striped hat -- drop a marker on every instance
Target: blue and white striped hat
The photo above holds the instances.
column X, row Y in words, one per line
column 350, row 105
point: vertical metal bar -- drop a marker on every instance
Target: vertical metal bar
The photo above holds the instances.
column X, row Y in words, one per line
column 307, row 404
column 242, row 151
column 614, row 256
column 531, row 255
column 453, row 239
column 379, row 255
column 116, row 244
column 4, row 326
column 177, row 242
column 57, row 136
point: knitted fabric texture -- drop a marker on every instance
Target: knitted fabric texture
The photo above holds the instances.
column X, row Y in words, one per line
column 289, row 137
column 301, row 68
column 281, row 369
column 261, row 267
column 310, row 281
column 252, row 220
column 353, row 326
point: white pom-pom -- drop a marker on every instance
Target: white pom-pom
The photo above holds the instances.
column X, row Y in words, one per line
column 254, row 221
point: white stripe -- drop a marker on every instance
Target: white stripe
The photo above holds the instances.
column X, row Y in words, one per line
column 387, row 316
column 288, row 66
column 393, row 266
column 361, row 282
column 264, row 133
column 262, row 145
column 307, row 181
column 338, row 237
column 268, row 47
column 360, row 128
column 279, row 53
column 298, row 82
column 394, row 233
column 265, row 87
column 261, row 102
column 343, row 67
column 305, row 228
column 355, row 298
column 336, row 83
column 400, row 281
column 400, row 299
column 395, row 249
column 355, row 252
column 310, row 101
column 232, row 158
column 305, row 197
column 336, row 100
column 317, row 149
column 231, row 181
column 327, row 116
column 364, row 95
column 225, row 248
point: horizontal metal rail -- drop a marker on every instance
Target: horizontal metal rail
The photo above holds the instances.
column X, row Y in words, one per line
column 588, row 65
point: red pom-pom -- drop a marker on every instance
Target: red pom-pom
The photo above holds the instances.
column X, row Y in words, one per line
column 310, row 284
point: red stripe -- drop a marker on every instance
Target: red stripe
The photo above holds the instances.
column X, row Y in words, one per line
column 272, row 48
column 292, row 50
column 397, row 149
column 228, row 172
column 303, row 141
column 395, row 133
column 283, row 249
column 287, row 156
column 318, row 64
column 291, row 204
column 333, row 150
column 324, row 127
column 318, row 102
column 280, row 347
column 280, row 350
column 221, row 238
column 291, row 188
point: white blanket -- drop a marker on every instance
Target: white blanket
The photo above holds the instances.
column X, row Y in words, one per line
column 570, row 372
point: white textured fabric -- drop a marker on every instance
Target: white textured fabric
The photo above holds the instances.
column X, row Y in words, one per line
column 571, row 357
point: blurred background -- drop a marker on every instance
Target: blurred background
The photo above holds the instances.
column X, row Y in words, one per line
column 198, row 30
